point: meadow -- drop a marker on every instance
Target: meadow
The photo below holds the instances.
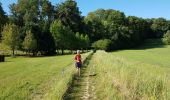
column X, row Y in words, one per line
column 152, row 52
column 36, row 78
column 138, row 74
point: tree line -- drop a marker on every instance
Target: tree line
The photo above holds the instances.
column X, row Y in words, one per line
column 37, row 26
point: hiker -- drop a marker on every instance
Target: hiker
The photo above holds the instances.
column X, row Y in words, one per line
column 78, row 62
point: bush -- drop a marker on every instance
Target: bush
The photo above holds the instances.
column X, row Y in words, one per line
column 166, row 37
column 102, row 44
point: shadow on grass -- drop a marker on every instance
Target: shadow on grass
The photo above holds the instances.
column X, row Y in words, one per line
column 74, row 91
column 150, row 44
column 92, row 75
column 148, row 47
column 147, row 44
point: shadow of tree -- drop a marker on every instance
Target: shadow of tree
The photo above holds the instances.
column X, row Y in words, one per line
column 150, row 44
column 147, row 44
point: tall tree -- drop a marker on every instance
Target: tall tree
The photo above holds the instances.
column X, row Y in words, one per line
column 35, row 15
column 115, row 26
column 25, row 11
column 60, row 34
column 30, row 43
column 87, row 41
column 166, row 37
column 104, row 23
column 78, row 40
column 95, row 28
column 3, row 19
column 159, row 26
column 138, row 28
column 10, row 36
column 47, row 10
column 70, row 16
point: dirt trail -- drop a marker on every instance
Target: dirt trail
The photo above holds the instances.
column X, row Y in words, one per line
column 82, row 88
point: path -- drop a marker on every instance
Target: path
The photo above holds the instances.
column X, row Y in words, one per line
column 82, row 87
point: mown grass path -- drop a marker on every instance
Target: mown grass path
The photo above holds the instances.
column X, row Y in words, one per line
column 82, row 88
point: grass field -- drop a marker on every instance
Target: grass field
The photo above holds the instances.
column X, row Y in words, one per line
column 125, row 75
column 36, row 78
column 152, row 52
column 139, row 74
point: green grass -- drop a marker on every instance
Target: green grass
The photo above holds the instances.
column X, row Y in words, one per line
column 152, row 52
column 36, row 78
column 120, row 79
column 82, row 87
column 139, row 74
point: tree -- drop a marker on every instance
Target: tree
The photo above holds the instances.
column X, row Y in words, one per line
column 82, row 42
column 10, row 36
column 124, row 32
column 78, row 40
column 102, row 44
column 36, row 16
column 95, row 28
column 87, row 41
column 159, row 27
column 25, row 12
column 104, row 23
column 72, row 41
column 30, row 43
column 61, row 35
column 70, row 16
column 3, row 19
column 47, row 11
column 138, row 29
column 166, row 37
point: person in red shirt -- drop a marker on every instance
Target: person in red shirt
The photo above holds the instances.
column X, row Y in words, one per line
column 78, row 62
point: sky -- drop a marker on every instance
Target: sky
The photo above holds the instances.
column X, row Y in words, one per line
column 140, row 8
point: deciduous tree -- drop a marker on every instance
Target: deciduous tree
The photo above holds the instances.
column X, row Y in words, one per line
column 10, row 36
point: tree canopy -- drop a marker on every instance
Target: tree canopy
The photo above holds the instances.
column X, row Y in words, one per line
column 3, row 19
column 45, row 28
column 10, row 36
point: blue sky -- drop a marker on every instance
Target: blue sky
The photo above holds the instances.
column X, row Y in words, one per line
column 140, row 8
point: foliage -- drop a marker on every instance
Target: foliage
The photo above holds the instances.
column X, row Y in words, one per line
column 87, row 41
column 159, row 26
column 36, row 16
column 70, row 16
column 113, row 25
column 3, row 19
column 166, row 37
column 10, row 36
column 75, row 31
column 102, row 44
column 61, row 35
column 30, row 43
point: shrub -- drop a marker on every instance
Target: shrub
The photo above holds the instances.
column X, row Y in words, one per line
column 166, row 37
column 102, row 44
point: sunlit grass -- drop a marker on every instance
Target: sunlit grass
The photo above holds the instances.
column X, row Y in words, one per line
column 44, row 78
column 118, row 78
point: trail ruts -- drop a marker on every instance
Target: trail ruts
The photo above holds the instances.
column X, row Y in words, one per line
column 82, row 88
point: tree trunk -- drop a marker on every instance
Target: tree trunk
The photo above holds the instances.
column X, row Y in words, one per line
column 2, row 58
column 13, row 52
column 62, row 51
column 57, row 52
column 71, row 51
